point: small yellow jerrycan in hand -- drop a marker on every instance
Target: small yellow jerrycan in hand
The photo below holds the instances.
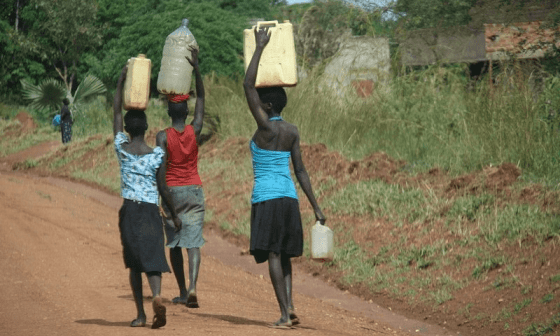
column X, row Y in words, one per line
column 322, row 243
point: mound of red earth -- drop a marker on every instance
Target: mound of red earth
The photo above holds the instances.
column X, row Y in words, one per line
column 332, row 164
column 26, row 121
column 496, row 179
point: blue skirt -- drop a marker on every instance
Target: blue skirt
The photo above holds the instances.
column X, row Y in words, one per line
column 189, row 204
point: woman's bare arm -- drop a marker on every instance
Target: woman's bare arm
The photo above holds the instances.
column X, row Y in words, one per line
column 117, row 103
column 303, row 179
column 161, row 141
column 199, row 106
column 261, row 38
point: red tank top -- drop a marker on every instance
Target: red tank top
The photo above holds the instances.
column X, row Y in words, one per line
column 182, row 157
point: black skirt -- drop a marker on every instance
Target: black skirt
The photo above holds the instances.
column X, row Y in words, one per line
column 276, row 227
column 142, row 237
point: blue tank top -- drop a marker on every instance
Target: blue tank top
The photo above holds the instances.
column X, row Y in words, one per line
column 272, row 175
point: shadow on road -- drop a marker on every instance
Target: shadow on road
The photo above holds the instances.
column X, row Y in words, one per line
column 233, row 319
column 242, row 320
column 146, row 299
column 104, row 323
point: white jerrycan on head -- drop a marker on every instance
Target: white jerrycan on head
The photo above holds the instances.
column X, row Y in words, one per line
column 322, row 243
column 176, row 72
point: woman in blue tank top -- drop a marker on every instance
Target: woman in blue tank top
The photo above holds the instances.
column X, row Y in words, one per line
column 276, row 231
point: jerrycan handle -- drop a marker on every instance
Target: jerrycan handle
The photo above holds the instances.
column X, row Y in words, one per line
column 273, row 23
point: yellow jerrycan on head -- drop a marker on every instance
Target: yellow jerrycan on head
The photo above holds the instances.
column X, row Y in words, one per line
column 322, row 243
column 277, row 66
column 175, row 73
column 137, row 83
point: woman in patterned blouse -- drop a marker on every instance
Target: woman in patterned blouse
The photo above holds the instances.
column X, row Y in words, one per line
column 140, row 223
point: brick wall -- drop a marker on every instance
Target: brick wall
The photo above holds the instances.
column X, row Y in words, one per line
column 522, row 40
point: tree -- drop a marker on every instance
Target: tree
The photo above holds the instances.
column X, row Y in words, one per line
column 415, row 14
column 326, row 24
column 11, row 12
column 49, row 93
column 65, row 31
column 218, row 32
column 46, row 95
column 19, row 60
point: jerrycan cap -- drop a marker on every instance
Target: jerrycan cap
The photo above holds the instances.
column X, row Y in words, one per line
column 183, row 30
column 320, row 227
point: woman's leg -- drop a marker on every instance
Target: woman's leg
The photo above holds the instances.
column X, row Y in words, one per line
column 63, row 132
column 194, row 266
column 136, row 285
column 176, row 258
column 154, row 280
column 280, row 287
column 287, row 272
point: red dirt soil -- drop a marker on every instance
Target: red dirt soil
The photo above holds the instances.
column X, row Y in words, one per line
column 324, row 164
column 63, row 274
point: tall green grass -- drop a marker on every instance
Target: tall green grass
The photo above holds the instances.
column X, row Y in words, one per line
column 435, row 117
column 97, row 117
column 430, row 118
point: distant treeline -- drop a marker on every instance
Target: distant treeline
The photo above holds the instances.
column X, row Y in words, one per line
column 69, row 39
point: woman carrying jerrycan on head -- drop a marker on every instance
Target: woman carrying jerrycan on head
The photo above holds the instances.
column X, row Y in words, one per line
column 140, row 223
column 276, row 230
column 178, row 178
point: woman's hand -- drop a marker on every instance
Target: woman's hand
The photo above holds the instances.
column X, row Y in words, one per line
column 320, row 217
column 194, row 54
column 262, row 36
column 177, row 222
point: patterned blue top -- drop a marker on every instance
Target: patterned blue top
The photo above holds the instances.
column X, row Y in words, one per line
column 138, row 172
column 272, row 175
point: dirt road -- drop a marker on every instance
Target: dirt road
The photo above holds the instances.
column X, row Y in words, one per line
column 63, row 274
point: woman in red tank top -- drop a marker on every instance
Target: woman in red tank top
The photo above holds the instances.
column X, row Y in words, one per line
column 183, row 203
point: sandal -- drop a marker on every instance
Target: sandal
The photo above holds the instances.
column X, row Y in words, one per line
column 281, row 325
column 192, row 301
column 293, row 317
column 159, row 313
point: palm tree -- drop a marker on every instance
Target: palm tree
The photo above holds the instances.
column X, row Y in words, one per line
column 47, row 95
column 50, row 92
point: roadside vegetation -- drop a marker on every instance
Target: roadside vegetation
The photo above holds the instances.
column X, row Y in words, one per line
column 443, row 191
column 438, row 198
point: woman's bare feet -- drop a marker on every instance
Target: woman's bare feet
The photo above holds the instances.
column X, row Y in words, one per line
column 282, row 324
column 139, row 322
column 179, row 300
